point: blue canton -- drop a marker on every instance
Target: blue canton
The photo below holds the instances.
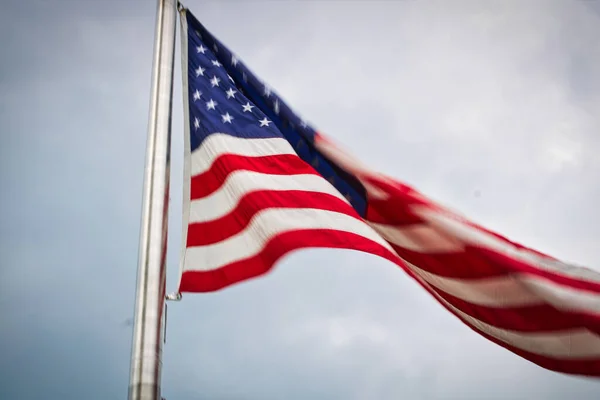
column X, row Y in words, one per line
column 226, row 97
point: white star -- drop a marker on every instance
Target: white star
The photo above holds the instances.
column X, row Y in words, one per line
column 197, row 95
column 248, row 107
column 216, row 63
column 303, row 123
column 211, row 104
column 267, row 91
column 226, row 118
column 200, row 71
column 276, row 107
column 200, row 49
column 264, row 122
column 244, row 77
column 215, row 81
column 234, row 60
column 231, row 93
column 196, row 123
column 230, row 78
column 215, row 48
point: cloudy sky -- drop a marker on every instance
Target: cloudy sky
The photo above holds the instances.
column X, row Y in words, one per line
column 490, row 107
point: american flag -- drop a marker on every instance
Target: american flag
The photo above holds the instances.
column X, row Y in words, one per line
column 261, row 182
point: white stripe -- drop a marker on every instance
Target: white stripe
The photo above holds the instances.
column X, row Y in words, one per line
column 264, row 226
column 218, row 144
column 514, row 291
column 471, row 235
column 419, row 238
column 563, row 297
column 498, row 292
column 240, row 183
column 373, row 192
column 570, row 345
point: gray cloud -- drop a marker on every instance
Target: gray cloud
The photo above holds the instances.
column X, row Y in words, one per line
column 492, row 109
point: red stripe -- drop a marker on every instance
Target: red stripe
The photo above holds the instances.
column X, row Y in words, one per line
column 514, row 265
column 391, row 212
column 397, row 208
column 211, row 180
column 589, row 367
column 470, row 264
column 205, row 233
column 533, row 318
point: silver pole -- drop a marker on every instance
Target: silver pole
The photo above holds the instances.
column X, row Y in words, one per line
column 146, row 354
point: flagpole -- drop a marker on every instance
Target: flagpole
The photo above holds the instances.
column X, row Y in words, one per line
column 146, row 351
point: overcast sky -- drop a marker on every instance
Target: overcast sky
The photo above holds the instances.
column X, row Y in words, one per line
column 490, row 107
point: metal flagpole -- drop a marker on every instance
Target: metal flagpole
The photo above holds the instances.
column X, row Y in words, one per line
column 146, row 352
